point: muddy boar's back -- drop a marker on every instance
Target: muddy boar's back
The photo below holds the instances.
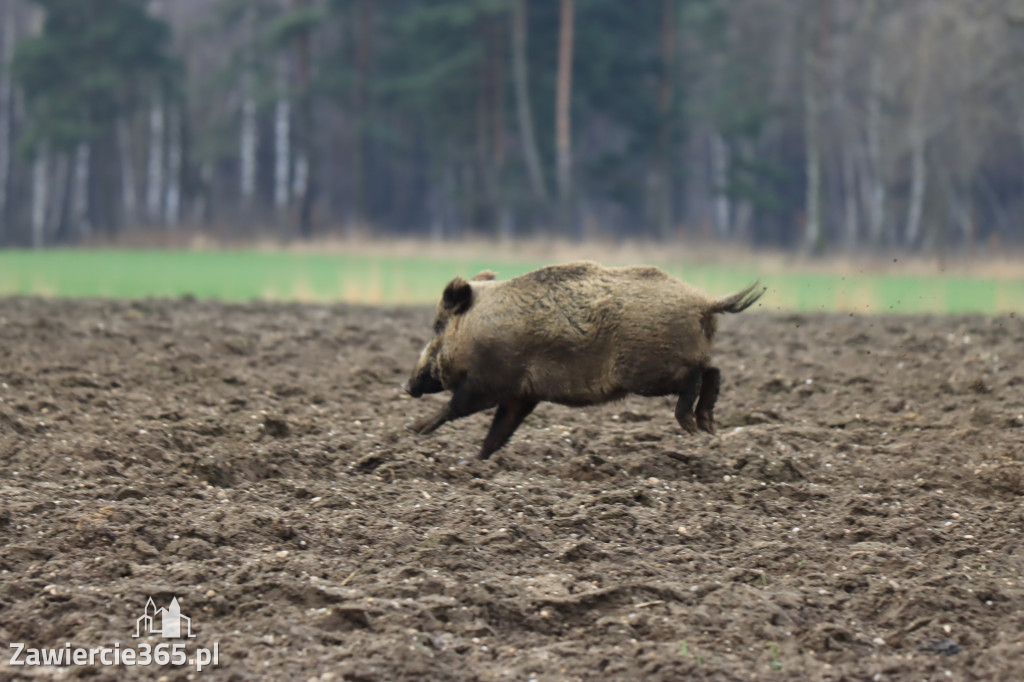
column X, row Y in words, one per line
column 587, row 309
column 584, row 301
column 572, row 305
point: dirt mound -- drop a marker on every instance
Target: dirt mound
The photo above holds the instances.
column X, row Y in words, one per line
column 858, row 516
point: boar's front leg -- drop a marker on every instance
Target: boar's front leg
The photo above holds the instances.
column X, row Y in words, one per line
column 506, row 420
column 463, row 403
column 687, row 397
column 711, row 381
column 430, row 424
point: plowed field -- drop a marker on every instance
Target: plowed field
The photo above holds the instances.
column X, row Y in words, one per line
column 858, row 516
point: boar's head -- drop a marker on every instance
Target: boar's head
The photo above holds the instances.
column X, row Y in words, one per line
column 426, row 376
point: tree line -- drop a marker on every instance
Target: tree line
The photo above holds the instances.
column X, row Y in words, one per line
column 821, row 125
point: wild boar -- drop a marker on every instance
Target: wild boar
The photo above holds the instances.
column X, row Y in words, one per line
column 576, row 334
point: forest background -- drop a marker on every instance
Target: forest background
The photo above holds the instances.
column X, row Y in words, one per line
column 821, row 126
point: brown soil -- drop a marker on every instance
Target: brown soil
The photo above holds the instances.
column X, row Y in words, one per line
column 864, row 499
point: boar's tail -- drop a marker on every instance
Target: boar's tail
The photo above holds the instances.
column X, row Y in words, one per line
column 738, row 302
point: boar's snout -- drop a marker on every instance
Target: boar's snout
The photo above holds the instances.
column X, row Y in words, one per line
column 423, row 383
column 424, row 375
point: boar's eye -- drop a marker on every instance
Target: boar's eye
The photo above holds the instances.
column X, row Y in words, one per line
column 438, row 326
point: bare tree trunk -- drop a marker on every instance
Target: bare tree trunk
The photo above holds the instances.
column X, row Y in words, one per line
column 364, row 10
column 490, row 123
column 80, row 192
column 846, row 148
column 6, row 110
column 663, row 154
column 306, row 165
column 155, row 175
column 56, row 213
column 7, row 19
column 62, row 206
column 876, row 207
column 812, row 201
column 40, row 192
column 563, row 133
column 300, row 175
column 918, row 183
column 857, row 172
column 282, row 153
column 918, row 134
column 482, row 204
column 814, row 60
column 719, row 153
column 203, row 209
column 282, row 141
column 524, row 112
column 851, row 197
column 1020, row 128
column 499, row 148
column 960, row 208
column 247, row 143
column 866, row 183
column 482, row 194
column 937, row 211
column 129, row 197
column 172, row 202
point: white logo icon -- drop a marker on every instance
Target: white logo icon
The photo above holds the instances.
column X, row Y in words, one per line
column 168, row 623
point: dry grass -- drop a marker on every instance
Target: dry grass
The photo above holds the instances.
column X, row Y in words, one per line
column 986, row 264
column 1002, row 266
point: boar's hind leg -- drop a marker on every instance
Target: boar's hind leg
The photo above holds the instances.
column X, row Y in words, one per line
column 463, row 403
column 687, row 397
column 711, row 381
column 506, row 420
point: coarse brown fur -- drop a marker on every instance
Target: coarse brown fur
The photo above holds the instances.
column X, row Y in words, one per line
column 576, row 334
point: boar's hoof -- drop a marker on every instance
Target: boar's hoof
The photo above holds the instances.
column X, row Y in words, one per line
column 706, row 422
column 421, row 426
column 687, row 422
column 427, row 424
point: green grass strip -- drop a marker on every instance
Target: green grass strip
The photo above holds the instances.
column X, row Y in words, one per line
column 388, row 280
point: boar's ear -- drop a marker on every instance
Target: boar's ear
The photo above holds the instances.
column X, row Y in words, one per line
column 458, row 296
column 483, row 276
